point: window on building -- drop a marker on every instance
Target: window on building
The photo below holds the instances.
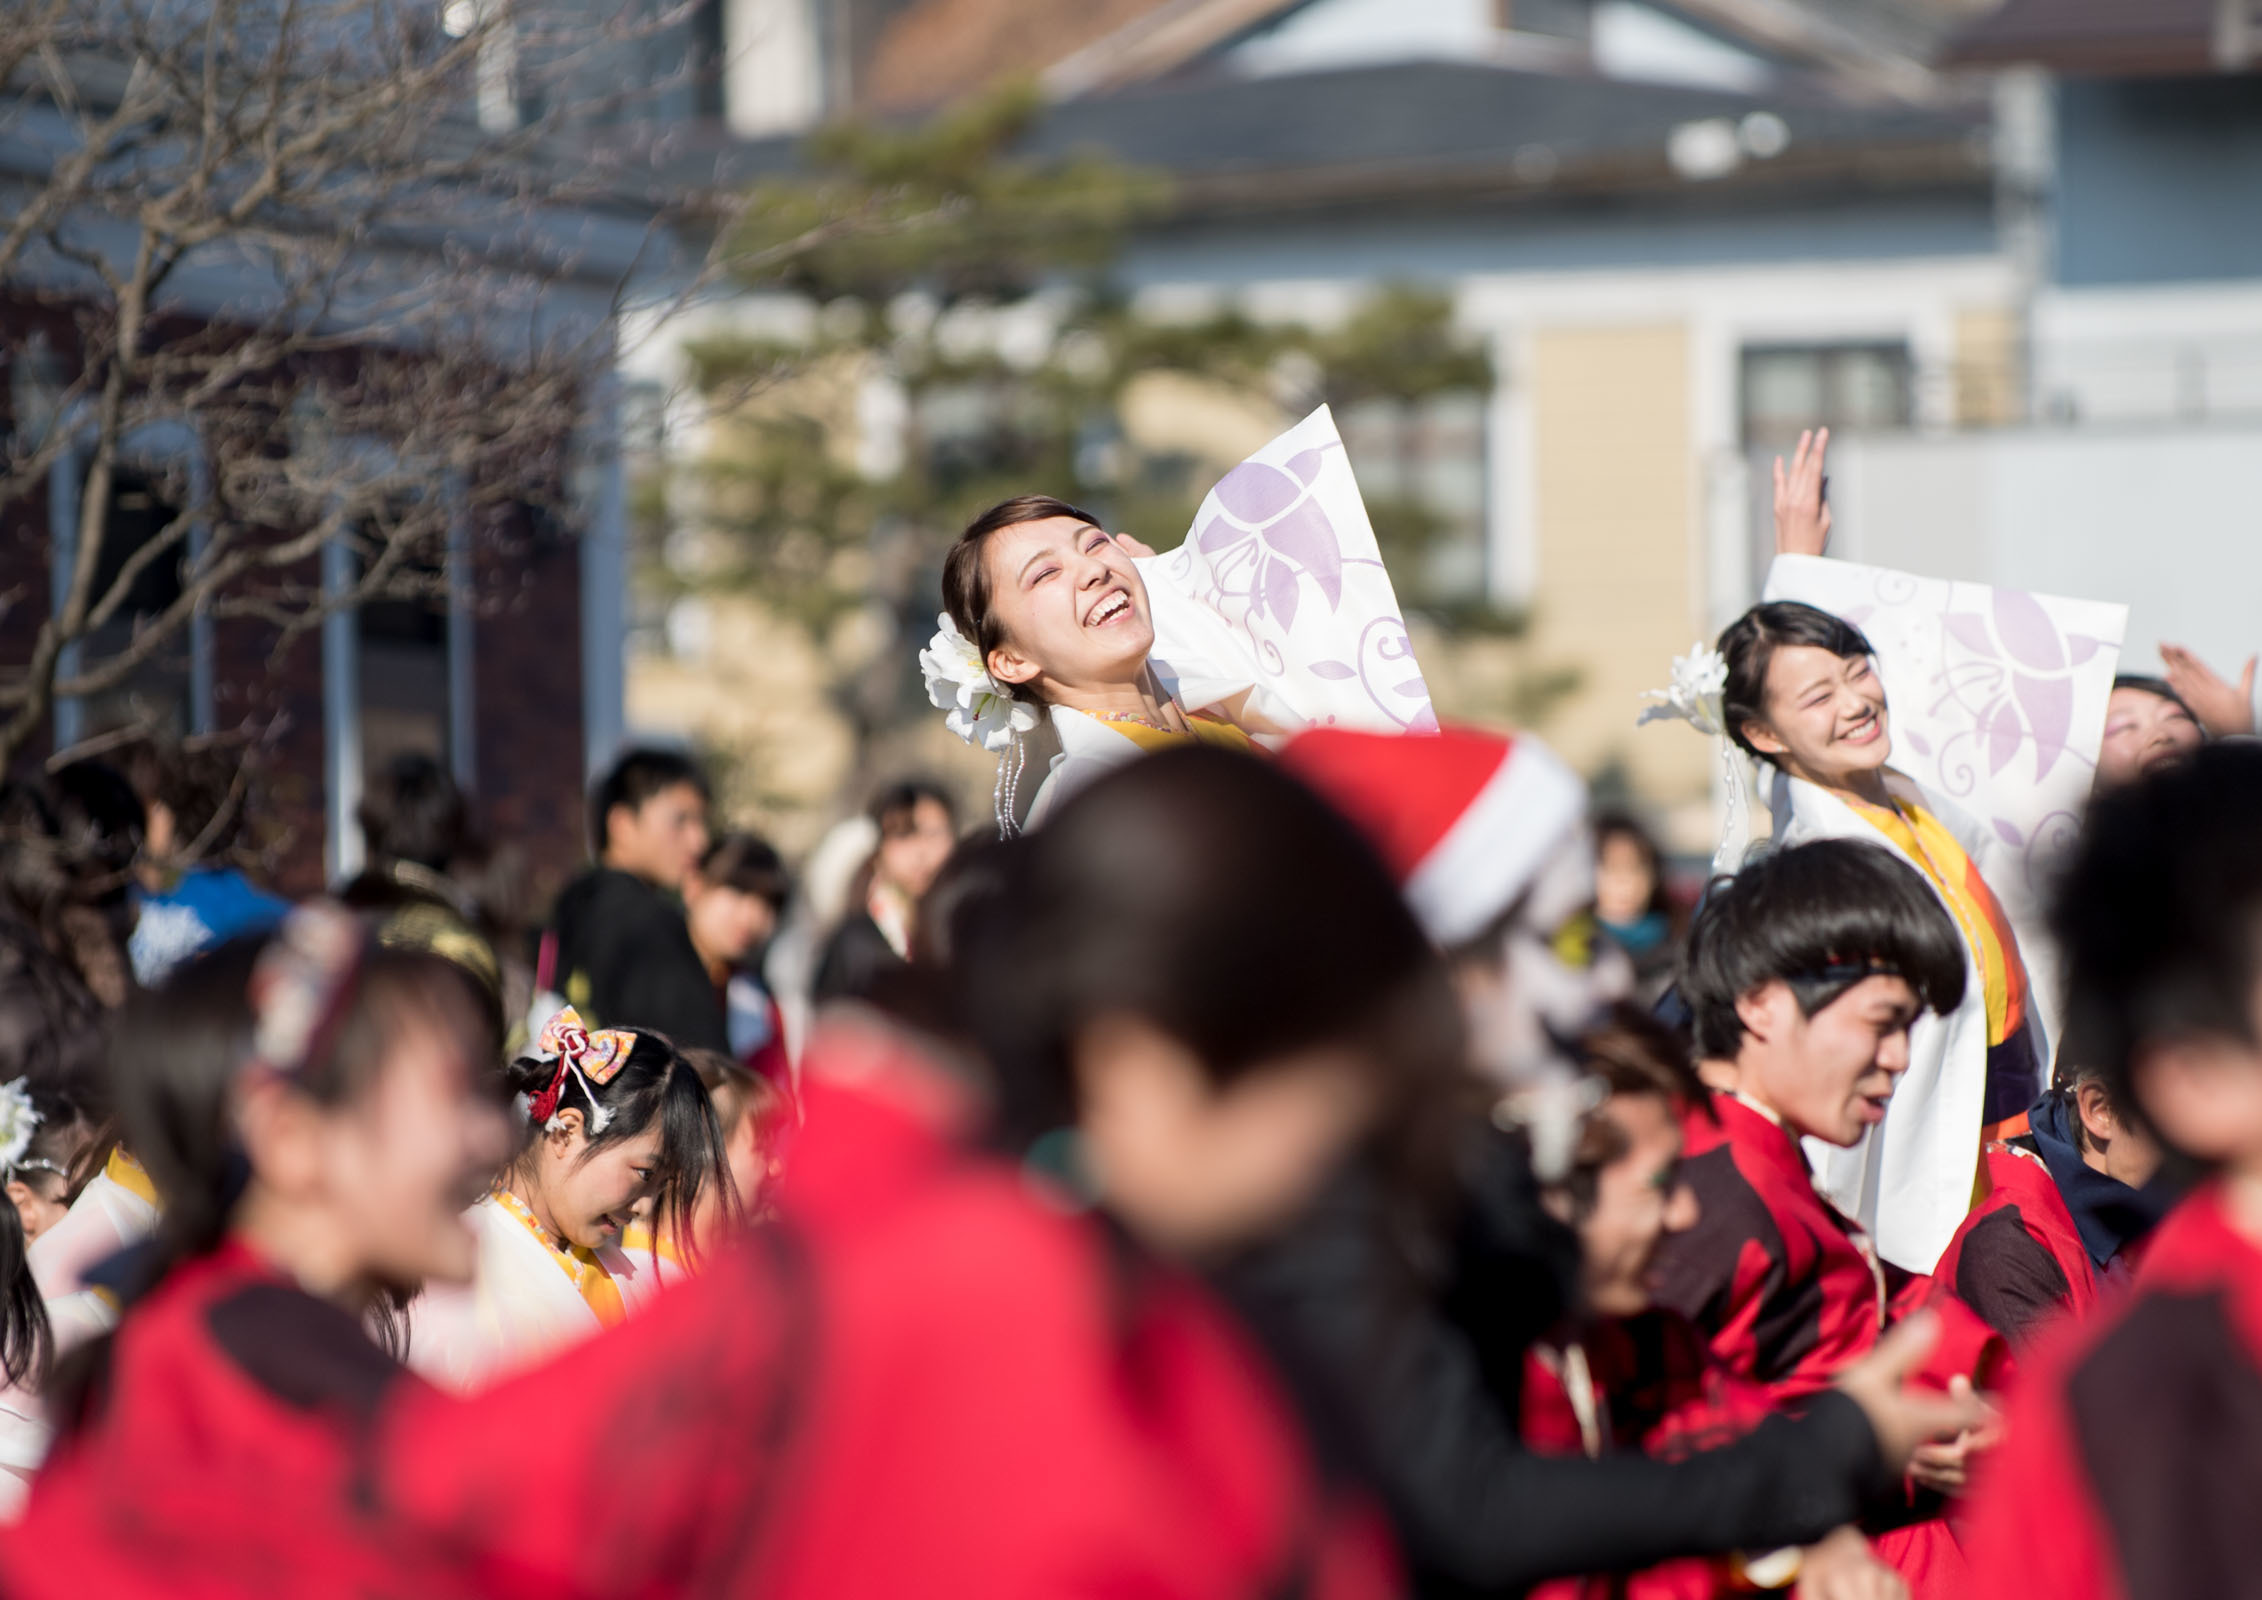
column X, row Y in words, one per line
column 403, row 674
column 158, row 695
column 1421, row 469
column 1847, row 388
column 1843, row 387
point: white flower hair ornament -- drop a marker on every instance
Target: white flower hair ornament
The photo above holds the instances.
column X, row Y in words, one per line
column 1700, row 680
column 978, row 708
column 18, row 1119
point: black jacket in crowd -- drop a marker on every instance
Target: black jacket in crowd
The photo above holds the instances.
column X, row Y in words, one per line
column 625, row 960
column 1411, row 1375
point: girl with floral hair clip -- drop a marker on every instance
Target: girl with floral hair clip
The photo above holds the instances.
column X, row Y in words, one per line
column 620, row 1134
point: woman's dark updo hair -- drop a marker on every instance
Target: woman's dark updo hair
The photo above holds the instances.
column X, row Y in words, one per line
column 966, row 578
column 1216, row 898
column 656, row 1082
column 1749, row 645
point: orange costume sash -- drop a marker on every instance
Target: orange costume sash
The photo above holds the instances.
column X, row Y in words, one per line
column 1986, row 930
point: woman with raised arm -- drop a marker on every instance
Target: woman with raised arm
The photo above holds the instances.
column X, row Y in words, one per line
column 1800, row 692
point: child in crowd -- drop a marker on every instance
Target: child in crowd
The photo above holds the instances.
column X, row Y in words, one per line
column 313, row 1109
column 2134, row 1444
column 621, row 1129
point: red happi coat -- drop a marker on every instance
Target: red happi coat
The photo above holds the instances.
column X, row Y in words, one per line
column 218, row 1460
column 1646, row 1384
column 2018, row 1260
column 941, row 1385
column 1789, row 1293
column 2133, row 1449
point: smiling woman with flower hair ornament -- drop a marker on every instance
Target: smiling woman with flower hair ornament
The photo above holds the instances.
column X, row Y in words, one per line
column 1799, row 690
column 1063, row 642
column 1049, row 621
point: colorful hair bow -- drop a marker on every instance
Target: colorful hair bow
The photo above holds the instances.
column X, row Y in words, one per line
column 594, row 1058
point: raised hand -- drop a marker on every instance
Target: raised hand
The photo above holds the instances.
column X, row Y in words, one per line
column 1802, row 511
column 1142, row 551
column 2223, row 708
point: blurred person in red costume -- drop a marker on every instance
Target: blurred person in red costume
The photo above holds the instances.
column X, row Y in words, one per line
column 2135, row 1439
column 313, row 1112
column 969, row 1356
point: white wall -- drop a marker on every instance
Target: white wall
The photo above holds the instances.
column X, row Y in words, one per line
column 2166, row 519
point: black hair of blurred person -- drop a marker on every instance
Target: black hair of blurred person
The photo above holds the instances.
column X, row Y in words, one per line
column 893, row 808
column 635, row 777
column 1749, row 645
column 1820, row 918
column 199, row 789
column 748, row 864
column 68, row 843
column 1628, row 1051
column 413, row 811
column 1223, row 903
column 51, row 1036
column 2157, row 913
column 931, row 992
column 2159, row 689
column 1613, row 824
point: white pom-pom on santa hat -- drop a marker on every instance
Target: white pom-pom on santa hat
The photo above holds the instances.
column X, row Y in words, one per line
column 1468, row 821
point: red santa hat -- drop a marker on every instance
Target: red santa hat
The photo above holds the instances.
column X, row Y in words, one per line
column 1466, row 820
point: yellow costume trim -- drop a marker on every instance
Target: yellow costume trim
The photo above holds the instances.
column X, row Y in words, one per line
column 1200, row 729
column 129, row 1175
column 588, row 1275
column 637, row 1239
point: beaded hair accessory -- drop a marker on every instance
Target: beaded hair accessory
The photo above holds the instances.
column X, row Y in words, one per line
column 1699, row 679
column 978, row 709
column 302, row 984
column 594, row 1058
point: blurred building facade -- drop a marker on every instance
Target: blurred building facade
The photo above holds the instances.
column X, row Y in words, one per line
column 2010, row 254
column 507, row 668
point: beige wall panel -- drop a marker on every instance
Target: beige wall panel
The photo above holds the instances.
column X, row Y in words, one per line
column 1615, row 503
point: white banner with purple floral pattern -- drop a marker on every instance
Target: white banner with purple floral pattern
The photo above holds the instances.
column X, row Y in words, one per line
column 1998, row 704
column 1280, row 589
